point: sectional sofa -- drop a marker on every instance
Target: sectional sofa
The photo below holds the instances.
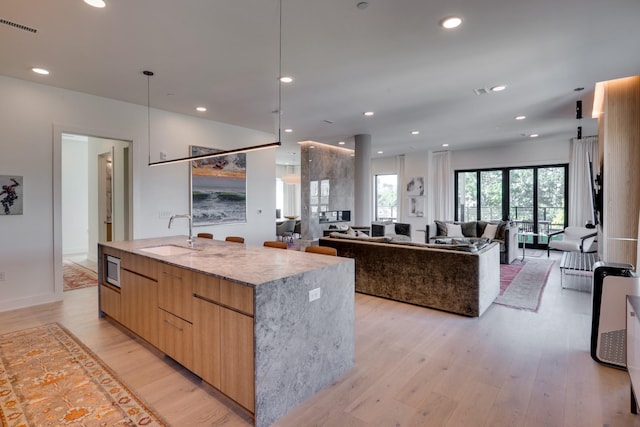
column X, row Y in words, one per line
column 452, row 278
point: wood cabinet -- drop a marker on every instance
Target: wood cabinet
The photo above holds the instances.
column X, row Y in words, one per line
column 223, row 337
column 140, row 305
column 175, row 338
column 110, row 302
column 236, row 357
column 175, row 291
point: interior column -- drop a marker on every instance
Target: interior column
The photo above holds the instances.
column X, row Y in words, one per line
column 362, row 180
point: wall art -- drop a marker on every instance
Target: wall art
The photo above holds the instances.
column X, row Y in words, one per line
column 416, row 206
column 218, row 188
column 11, row 197
column 415, row 186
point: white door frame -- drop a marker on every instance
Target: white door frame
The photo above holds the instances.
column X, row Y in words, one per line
column 58, row 130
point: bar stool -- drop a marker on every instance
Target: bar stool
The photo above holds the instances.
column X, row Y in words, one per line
column 236, row 239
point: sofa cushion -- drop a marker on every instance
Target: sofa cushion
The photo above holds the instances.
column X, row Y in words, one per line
column 441, row 227
column 469, row 229
column 454, row 230
column 337, row 235
column 490, row 231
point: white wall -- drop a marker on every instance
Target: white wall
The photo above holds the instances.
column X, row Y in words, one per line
column 32, row 118
column 75, row 202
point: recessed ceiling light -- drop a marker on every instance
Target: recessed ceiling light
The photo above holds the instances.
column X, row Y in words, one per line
column 450, row 22
column 40, row 71
column 312, row 146
column 286, row 79
column 341, row 142
column 534, row 135
column 498, row 88
column 415, row 132
column 368, row 113
column 445, row 145
column 201, row 109
column 380, row 152
column 520, row 117
column 95, row 3
column 288, row 130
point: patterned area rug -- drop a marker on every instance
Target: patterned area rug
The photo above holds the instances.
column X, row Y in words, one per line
column 76, row 276
column 49, row 378
column 521, row 284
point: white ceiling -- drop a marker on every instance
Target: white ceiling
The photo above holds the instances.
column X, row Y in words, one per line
column 391, row 58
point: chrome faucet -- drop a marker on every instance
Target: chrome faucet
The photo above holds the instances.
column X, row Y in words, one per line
column 190, row 239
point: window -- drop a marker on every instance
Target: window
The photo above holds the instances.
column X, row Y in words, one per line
column 386, row 196
column 534, row 197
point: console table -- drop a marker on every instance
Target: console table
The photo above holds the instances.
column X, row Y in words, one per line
column 578, row 263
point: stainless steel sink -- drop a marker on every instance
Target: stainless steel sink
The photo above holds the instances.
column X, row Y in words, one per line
column 168, row 250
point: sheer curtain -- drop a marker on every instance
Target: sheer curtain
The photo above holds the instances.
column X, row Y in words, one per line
column 400, row 186
column 580, row 209
column 442, row 186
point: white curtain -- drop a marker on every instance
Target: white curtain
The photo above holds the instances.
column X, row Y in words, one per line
column 400, row 187
column 580, row 208
column 442, row 186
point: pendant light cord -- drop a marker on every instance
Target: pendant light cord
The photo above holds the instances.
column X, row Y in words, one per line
column 280, row 71
column 148, row 74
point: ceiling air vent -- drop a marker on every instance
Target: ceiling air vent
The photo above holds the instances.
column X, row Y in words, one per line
column 482, row 91
column 18, row 26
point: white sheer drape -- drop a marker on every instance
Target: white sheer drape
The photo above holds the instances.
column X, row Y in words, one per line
column 400, row 186
column 580, row 209
column 442, row 186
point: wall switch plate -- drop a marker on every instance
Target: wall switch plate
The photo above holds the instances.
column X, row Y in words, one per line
column 314, row 294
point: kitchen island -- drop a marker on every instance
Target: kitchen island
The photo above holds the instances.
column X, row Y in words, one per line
column 267, row 327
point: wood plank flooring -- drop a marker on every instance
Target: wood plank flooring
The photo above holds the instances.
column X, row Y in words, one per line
column 414, row 367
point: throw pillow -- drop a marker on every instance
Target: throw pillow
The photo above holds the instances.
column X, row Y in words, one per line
column 500, row 231
column 469, row 229
column 454, row 230
column 490, row 231
column 441, row 228
column 389, row 229
column 361, row 233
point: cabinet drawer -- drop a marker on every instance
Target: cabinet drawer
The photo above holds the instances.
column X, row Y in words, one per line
column 175, row 291
column 175, row 338
column 206, row 286
column 110, row 302
column 236, row 296
column 140, row 264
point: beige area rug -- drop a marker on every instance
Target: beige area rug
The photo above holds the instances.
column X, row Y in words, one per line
column 76, row 276
column 525, row 289
column 49, row 378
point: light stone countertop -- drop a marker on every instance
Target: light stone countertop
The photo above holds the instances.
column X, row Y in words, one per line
column 247, row 264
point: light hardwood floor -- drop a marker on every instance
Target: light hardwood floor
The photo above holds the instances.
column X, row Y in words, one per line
column 414, row 367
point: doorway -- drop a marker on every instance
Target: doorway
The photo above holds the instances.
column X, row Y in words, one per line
column 95, row 194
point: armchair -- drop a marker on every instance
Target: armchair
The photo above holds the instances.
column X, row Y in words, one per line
column 575, row 239
column 285, row 230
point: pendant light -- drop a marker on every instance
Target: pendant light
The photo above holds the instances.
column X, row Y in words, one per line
column 277, row 143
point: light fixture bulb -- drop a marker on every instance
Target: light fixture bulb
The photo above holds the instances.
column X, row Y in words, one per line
column 415, row 132
column 445, row 145
column 40, row 71
column 288, row 130
column 368, row 113
column 450, row 22
column 96, row 3
column 341, row 142
column 380, row 152
column 534, row 135
column 286, row 79
column 201, row 109
column 498, row 88
column 520, row 117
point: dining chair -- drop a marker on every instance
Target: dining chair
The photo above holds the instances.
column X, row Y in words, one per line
column 324, row 250
column 205, row 235
column 236, row 239
column 274, row 244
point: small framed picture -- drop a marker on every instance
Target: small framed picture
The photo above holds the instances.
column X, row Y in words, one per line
column 11, row 199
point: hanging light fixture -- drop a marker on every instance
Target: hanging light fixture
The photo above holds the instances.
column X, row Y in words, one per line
column 277, row 143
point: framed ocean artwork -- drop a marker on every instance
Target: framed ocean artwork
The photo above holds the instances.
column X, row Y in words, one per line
column 218, row 188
